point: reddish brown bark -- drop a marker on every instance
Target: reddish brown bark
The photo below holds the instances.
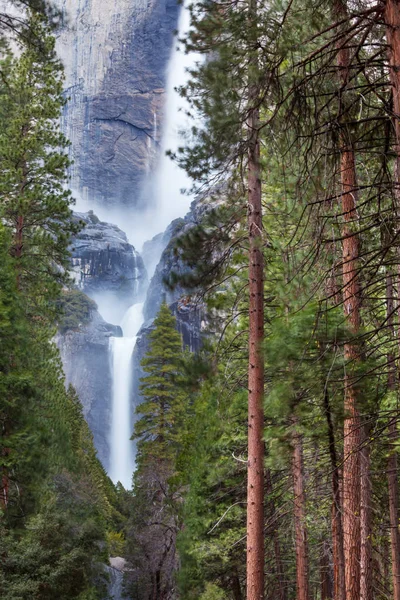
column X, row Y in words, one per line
column 352, row 437
column 302, row 568
column 281, row 591
column 351, row 303
column 392, row 476
column 255, row 470
column 339, row 590
column 392, row 21
column 366, row 571
column 325, row 574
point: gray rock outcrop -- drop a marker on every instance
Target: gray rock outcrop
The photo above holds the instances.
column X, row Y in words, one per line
column 85, row 356
column 104, row 261
column 188, row 312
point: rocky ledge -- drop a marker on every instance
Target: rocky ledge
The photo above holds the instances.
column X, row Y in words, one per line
column 84, row 352
column 104, row 261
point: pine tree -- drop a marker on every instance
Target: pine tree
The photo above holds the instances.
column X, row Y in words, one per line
column 155, row 519
column 34, row 200
column 161, row 410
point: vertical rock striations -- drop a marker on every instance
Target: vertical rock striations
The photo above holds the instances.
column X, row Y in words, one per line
column 115, row 56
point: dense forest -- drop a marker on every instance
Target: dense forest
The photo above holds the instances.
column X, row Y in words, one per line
column 267, row 462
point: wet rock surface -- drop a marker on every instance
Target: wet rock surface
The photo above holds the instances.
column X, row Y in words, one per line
column 85, row 356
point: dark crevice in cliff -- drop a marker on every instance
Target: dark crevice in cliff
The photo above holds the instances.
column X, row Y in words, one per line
column 118, row 119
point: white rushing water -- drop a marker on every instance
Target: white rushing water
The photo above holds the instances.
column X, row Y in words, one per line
column 122, row 458
column 169, row 203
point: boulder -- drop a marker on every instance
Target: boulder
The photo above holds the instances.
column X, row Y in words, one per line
column 102, row 260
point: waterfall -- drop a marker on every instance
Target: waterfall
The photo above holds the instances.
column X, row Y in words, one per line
column 168, row 203
column 122, row 459
column 121, row 456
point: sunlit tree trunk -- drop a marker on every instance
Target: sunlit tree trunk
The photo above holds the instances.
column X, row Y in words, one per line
column 255, row 471
column 255, row 468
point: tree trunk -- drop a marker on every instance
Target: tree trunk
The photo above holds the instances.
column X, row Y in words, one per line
column 392, row 21
column 365, row 524
column 351, row 304
column 302, row 570
column 255, row 469
column 339, row 590
column 392, row 457
column 325, row 573
column 273, row 531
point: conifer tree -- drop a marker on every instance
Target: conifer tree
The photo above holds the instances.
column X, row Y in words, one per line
column 155, row 520
column 34, row 200
column 161, row 408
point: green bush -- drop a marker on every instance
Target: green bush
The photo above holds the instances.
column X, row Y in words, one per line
column 75, row 309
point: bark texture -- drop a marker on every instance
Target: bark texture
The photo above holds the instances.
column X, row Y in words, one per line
column 392, row 22
column 366, row 570
column 351, row 304
column 255, row 470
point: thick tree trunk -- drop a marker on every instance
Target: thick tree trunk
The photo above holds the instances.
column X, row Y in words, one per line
column 366, row 571
column 351, row 303
column 392, row 21
column 281, row 592
column 325, row 573
column 255, row 470
column 302, row 569
column 392, row 457
column 339, row 590
column 352, row 434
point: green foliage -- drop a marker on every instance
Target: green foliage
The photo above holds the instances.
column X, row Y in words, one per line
column 213, row 592
column 74, row 310
column 34, row 201
column 162, row 408
column 56, row 557
column 56, row 501
column 116, row 543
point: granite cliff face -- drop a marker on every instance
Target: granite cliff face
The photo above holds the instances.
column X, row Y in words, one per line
column 85, row 356
column 104, row 262
column 189, row 314
column 115, row 56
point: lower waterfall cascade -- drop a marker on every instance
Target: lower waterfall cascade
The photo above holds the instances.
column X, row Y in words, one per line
column 121, row 447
